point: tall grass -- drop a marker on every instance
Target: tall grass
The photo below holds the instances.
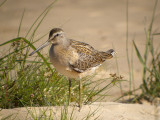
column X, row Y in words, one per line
column 151, row 72
column 150, row 86
column 34, row 82
column 127, row 54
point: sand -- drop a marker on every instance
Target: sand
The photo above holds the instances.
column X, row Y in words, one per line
column 101, row 111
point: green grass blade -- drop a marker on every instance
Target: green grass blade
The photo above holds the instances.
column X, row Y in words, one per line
column 22, row 47
column 10, row 41
column 153, row 16
column 150, row 29
column 146, row 55
column 39, row 24
column 140, row 57
column 30, row 44
column 128, row 60
column 19, row 29
column 132, row 68
column 156, row 34
column 30, row 61
column 34, row 31
column 117, row 67
column 138, row 53
column 40, row 17
column 3, row 2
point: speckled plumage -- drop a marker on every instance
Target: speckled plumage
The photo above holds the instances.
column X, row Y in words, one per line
column 77, row 59
column 72, row 58
column 88, row 56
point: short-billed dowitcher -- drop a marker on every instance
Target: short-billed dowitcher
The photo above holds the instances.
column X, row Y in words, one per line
column 72, row 58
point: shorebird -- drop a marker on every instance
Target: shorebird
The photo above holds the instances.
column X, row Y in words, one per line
column 72, row 58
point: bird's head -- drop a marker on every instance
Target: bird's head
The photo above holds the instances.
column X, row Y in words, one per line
column 56, row 36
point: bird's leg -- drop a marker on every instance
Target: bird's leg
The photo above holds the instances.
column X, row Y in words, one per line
column 80, row 94
column 70, row 88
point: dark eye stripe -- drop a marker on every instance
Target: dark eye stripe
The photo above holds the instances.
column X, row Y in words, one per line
column 56, row 35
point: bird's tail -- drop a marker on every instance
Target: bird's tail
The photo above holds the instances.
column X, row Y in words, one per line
column 108, row 54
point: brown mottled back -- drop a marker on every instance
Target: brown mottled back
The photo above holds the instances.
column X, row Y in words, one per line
column 88, row 56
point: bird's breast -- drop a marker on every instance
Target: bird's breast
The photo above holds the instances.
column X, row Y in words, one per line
column 60, row 58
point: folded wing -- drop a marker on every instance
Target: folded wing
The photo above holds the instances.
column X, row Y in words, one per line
column 88, row 56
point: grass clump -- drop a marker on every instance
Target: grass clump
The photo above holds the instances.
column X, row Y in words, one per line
column 150, row 60
column 150, row 86
column 151, row 72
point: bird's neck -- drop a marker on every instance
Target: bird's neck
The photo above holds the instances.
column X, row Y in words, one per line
column 63, row 42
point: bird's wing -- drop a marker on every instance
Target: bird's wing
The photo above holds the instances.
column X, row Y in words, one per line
column 88, row 57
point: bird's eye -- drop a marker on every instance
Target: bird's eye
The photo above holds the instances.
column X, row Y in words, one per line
column 57, row 35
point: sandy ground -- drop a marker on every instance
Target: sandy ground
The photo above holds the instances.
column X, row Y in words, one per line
column 101, row 23
column 101, row 111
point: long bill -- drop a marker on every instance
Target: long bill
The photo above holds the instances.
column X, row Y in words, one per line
column 39, row 48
